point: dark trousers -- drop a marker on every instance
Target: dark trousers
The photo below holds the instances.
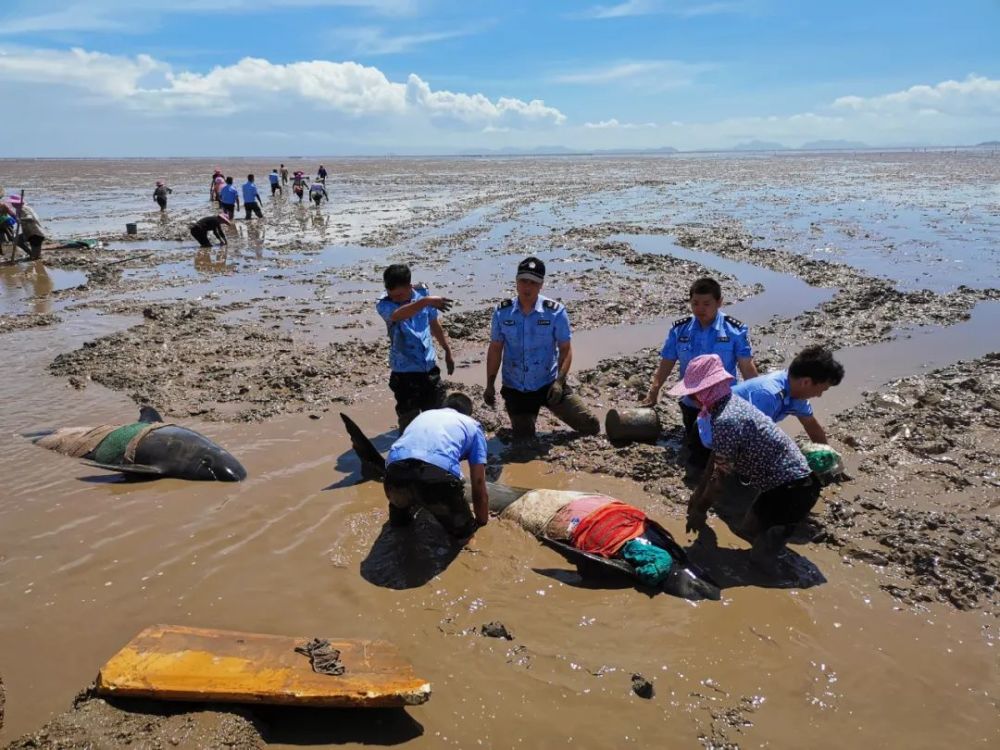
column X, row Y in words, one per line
column 201, row 235
column 787, row 504
column 412, row 482
column 251, row 209
column 416, row 392
column 32, row 245
column 275, row 188
column 163, row 203
column 317, row 197
column 697, row 452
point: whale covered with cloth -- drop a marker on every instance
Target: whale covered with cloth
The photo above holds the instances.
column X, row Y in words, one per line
column 147, row 448
column 565, row 521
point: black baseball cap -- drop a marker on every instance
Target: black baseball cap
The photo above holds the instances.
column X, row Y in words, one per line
column 532, row 269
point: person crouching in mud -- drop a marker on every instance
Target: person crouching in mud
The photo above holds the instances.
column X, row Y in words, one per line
column 411, row 319
column 423, row 469
column 745, row 441
column 213, row 224
column 530, row 335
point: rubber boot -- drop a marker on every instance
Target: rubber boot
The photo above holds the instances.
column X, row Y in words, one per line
column 573, row 412
column 523, row 426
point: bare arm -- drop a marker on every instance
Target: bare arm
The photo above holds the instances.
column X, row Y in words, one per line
column 663, row 371
column 437, row 331
column 494, row 356
column 747, row 368
column 814, row 429
column 480, row 494
column 565, row 360
column 407, row 311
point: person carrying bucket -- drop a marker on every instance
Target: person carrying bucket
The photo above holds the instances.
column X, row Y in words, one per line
column 530, row 336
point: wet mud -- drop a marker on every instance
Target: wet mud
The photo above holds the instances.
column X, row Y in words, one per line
column 892, row 581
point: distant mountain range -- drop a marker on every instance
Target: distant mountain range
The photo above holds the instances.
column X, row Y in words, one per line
column 988, row 144
column 833, row 145
column 756, row 145
column 561, row 150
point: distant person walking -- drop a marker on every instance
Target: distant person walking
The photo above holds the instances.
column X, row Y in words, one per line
column 251, row 199
column 284, row 175
column 321, row 174
column 229, row 199
column 317, row 192
column 213, row 224
column 217, row 182
column 160, row 194
column 275, row 181
column 299, row 185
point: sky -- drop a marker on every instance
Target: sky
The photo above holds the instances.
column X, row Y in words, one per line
column 87, row 78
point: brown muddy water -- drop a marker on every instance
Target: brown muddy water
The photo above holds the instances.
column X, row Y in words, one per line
column 300, row 548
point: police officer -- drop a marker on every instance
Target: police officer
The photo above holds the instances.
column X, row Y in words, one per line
column 530, row 336
column 707, row 331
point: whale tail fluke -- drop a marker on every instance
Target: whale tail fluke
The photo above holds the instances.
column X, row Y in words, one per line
column 372, row 462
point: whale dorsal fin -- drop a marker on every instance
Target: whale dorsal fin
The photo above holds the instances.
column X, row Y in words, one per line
column 149, row 414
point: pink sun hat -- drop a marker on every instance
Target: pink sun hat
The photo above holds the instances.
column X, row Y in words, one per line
column 701, row 373
column 225, row 219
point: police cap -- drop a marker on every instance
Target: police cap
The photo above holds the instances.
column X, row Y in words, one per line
column 532, row 269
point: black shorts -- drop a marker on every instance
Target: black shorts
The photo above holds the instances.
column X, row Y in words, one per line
column 789, row 503
column 524, row 402
column 414, row 482
column 417, row 391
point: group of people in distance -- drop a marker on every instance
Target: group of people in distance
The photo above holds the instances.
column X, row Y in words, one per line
column 730, row 430
column 224, row 192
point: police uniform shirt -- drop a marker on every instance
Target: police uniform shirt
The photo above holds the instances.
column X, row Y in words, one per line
column 771, row 394
column 530, row 342
column 410, row 346
column 442, row 437
column 726, row 336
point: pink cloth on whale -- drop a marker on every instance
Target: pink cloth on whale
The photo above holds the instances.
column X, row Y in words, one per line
column 566, row 519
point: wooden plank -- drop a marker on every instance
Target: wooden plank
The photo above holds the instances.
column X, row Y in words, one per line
column 171, row 662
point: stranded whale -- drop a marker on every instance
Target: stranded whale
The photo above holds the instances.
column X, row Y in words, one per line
column 149, row 448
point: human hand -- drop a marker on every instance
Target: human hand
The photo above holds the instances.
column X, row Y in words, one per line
column 449, row 363
column 651, row 398
column 441, row 303
column 556, row 394
column 490, row 396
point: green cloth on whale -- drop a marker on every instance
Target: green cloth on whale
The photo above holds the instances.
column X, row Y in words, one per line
column 112, row 448
column 651, row 563
column 821, row 458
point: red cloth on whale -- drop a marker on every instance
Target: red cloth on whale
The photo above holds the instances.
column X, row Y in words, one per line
column 604, row 531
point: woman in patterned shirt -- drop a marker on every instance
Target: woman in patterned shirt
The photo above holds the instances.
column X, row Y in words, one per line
column 748, row 443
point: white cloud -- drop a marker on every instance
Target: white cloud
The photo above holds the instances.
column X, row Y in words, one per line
column 654, row 75
column 372, row 40
column 613, row 124
column 682, row 8
column 345, row 87
column 976, row 95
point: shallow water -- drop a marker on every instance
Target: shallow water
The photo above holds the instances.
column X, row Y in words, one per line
column 86, row 561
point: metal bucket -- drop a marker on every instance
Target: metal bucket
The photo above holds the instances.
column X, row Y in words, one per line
column 131, row 228
column 632, row 425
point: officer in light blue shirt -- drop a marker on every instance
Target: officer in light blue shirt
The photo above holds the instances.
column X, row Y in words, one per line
column 411, row 319
column 229, row 198
column 275, row 182
column 530, row 336
column 251, row 199
column 707, row 331
column 423, row 468
column 784, row 392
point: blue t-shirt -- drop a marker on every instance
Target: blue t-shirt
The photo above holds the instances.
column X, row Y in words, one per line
column 410, row 345
column 726, row 336
column 250, row 193
column 442, row 437
column 771, row 394
column 273, row 177
column 229, row 194
column 530, row 342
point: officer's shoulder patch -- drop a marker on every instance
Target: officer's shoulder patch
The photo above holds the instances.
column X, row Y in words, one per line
column 505, row 303
column 551, row 304
column 420, row 286
column 682, row 321
column 734, row 321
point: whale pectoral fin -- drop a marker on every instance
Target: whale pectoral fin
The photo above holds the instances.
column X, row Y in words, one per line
column 587, row 559
column 149, row 414
column 142, row 469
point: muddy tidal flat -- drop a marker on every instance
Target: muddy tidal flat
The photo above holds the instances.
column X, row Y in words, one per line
column 880, row 629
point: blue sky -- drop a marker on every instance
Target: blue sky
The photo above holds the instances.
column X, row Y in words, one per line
column 120, row 77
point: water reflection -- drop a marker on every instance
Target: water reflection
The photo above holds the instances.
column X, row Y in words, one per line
column 30, row 283
column 212, row 260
